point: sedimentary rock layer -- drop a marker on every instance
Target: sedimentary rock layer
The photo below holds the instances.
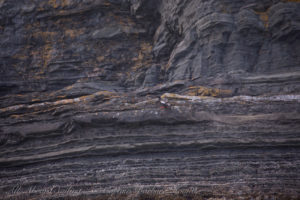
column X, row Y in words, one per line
column 125, row 97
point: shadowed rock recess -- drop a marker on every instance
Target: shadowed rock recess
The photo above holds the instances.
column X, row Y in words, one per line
column 149, row 99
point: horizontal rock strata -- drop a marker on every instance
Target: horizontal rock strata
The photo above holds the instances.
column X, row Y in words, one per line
column 137, row 99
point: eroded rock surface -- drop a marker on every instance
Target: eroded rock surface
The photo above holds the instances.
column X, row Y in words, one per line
column 133, row 95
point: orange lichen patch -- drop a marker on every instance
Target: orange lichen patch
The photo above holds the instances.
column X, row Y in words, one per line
column 47, row 36
column 1, row 2
column 15, row 116
column 37, row 75
column 170, row 96
column 104, row 95
column 53, row 3
column 23, row 53
column 30, row 114
column 140, row 57
column 204, row 91
column 106, row 4
column 144, row 57
column 20, row 95
column 72, row 33
column 100, row 58
column 47, row 53
column 168, row 65
column 123, row 20
column 264, row 17
column 146, row 47
column 62, row 22
column 20, row 56
column 59, row 3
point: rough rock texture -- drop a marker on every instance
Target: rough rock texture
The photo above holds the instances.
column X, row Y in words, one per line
column 123, row 97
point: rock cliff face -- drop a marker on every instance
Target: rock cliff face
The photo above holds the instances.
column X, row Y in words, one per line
column 114, row 98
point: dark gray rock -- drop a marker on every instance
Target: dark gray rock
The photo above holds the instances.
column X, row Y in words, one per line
column 231, row 37
column 168, row 96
